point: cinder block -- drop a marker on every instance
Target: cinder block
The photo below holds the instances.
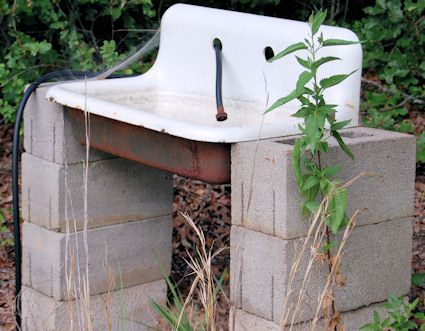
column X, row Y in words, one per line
column 118, row 191
column 352, row 321
column 265, row 197
column 376, row 263
column 130, row 252
column 48, row 133
column 125, row 309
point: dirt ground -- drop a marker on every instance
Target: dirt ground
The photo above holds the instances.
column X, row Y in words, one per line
column 208, row 205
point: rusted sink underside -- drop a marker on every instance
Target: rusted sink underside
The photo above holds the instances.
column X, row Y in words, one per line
column 208, row 162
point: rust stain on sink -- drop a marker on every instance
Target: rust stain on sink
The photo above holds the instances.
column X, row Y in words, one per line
column 205, row 161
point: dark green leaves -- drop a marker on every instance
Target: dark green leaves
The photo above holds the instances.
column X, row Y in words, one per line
column 334, row 80
column 338, row 42
column 303, row 79
column 339, row 125
column 288, row 50
column 418, row 279
column 342, row 144
column 324, row 60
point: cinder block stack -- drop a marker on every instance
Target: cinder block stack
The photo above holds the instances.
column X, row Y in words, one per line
column 268, row 231
column 129, row 229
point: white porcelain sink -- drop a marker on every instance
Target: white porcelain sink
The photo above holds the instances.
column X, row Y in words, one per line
column 177, row 95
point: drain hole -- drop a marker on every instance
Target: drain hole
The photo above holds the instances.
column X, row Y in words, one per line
column 217, row 42
column 268, row 53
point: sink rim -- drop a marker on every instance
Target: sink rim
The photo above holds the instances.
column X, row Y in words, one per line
column 227, row 134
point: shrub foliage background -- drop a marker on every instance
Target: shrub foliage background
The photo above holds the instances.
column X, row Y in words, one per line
column 45, row 35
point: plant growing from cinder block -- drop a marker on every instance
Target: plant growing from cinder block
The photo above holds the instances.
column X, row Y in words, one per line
column 314, row 180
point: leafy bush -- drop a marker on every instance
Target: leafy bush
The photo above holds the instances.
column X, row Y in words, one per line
column 44, row 35
column 394, row 61
column 400, row 316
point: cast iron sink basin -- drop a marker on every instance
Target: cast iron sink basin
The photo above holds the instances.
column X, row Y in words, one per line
column 166, row 117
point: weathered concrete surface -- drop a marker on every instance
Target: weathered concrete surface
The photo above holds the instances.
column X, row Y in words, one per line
column 127, row 308
column 352, row 321
column 132, row 251
column 48, row 133
column 119, row 191
column 265, row 197
column 376, row 263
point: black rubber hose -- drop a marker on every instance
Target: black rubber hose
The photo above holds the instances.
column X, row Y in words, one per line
column 63, row 74
column 221, row 115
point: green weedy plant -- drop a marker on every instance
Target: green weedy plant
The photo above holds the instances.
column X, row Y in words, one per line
column 394, row 62
column 313, row 179
column 400, row 315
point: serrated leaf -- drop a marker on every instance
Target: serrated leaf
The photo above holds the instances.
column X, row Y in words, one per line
column 327, row 109
column 301, row 113
column 303, row 62
column 324, row 60
column 317, row 21
column 303, row 79
column 338, row 42
column 341, row 143
column 310, row 182
column 288, row 50
column 280, row 102
column 339, row 125
column 334, row 80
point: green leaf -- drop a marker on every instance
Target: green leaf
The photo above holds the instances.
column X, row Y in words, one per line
column 418, row 279
column 334, row 80
column 341, row 143
column 288, row 50
column 324, row 60
column 317, row 20
column 310, row 182
column 301, row 113
column 331, row 171
column 280, row 102
column 369, row 327
column 419, row 315
column 376, row 317
column 328, row 246
column 339, row 125
column 312, row 206
column 303, row 79
column 338, row 42
column 116, row 13
column 296, row 162
column 303, row 62
column 340, row 199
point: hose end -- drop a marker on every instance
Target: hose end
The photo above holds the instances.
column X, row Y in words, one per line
column 221, row 114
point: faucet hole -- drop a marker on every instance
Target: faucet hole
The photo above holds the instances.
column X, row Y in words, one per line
column 268, row 53
column 217, row 42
